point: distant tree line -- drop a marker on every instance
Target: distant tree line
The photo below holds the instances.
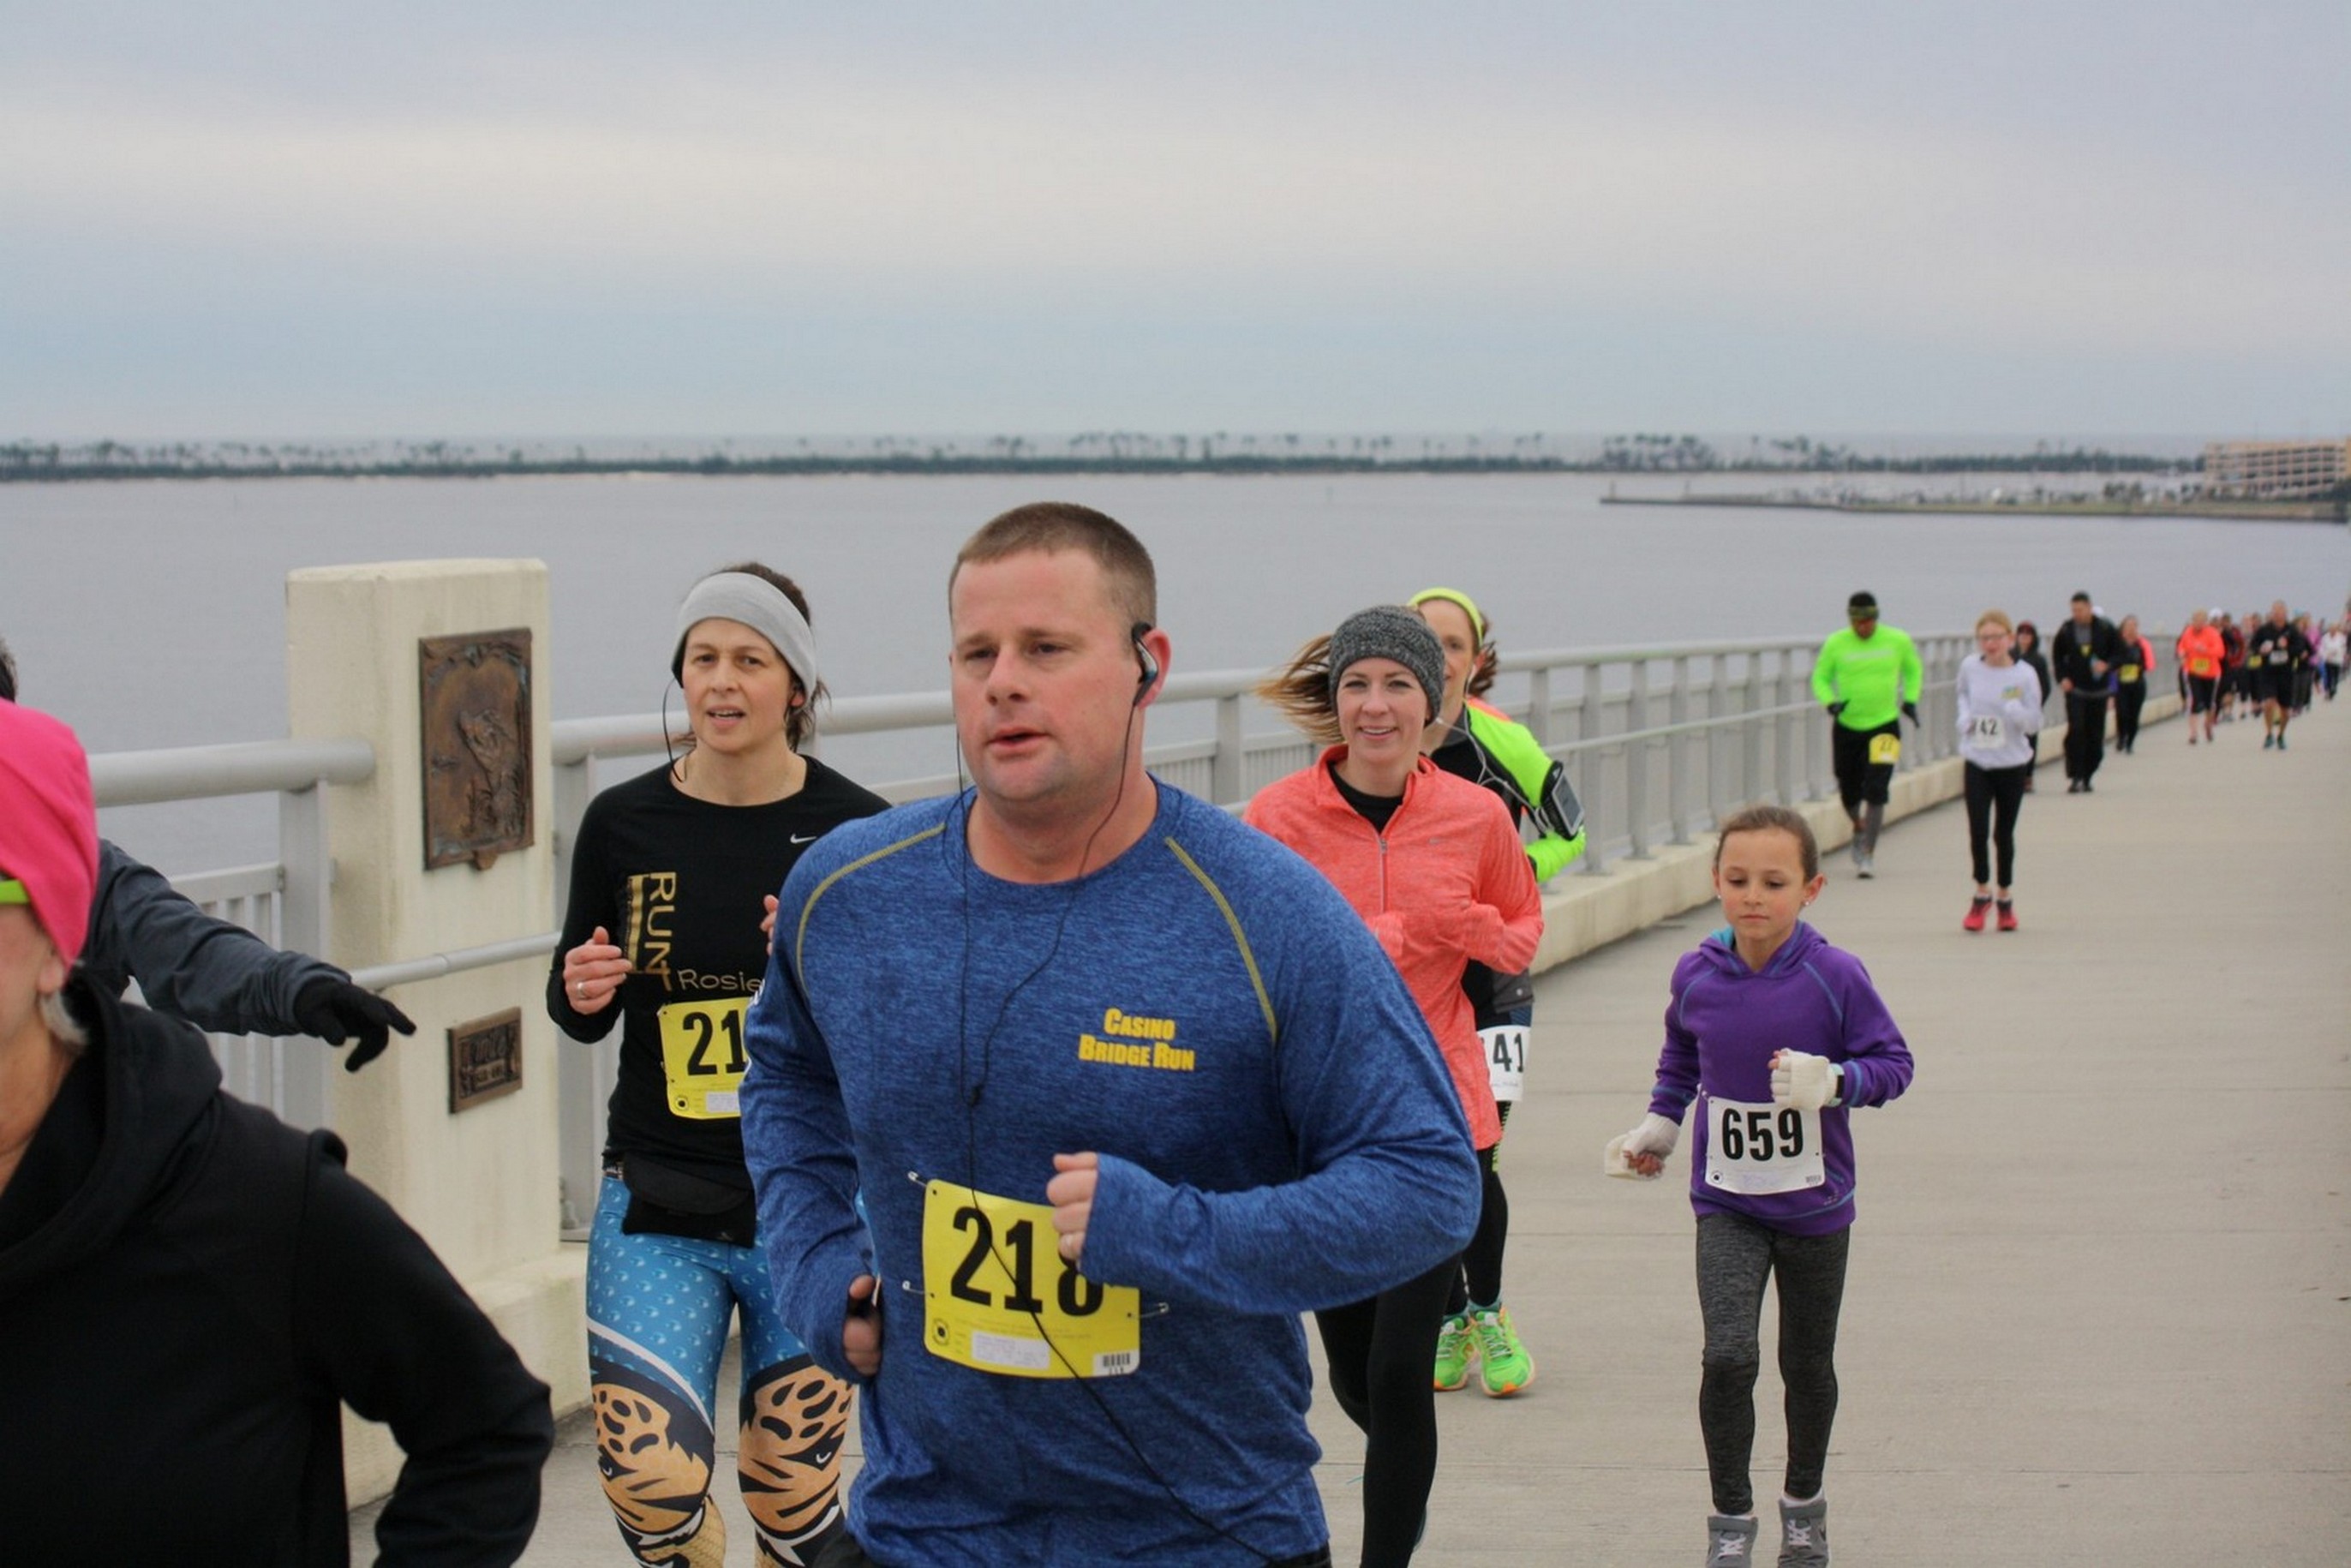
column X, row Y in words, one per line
column 1112, row 452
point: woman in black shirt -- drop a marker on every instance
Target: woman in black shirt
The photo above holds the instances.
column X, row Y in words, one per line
column 669, row 880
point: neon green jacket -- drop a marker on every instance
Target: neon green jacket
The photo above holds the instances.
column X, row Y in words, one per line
column 1502, row 754
column 1873, row 677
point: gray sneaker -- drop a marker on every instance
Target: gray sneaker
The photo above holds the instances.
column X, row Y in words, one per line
column 1729, row 1541
column 1804, row 1534
column 1864, row 865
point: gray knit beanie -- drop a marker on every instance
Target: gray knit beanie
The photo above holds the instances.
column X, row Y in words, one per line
column 1390, row 632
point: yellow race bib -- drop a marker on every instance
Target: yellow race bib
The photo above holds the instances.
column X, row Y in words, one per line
column 998, row 1297
column 1885, row 750
column 702, row 1058
column 2130, row 674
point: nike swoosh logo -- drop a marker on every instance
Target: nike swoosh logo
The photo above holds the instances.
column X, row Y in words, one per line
column 809, row 839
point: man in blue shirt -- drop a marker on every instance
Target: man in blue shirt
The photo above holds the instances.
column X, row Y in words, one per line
column 1123, row 1087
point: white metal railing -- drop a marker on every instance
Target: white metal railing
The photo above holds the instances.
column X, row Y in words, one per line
column 1659, row 741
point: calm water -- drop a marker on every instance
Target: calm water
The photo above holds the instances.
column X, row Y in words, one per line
column 152, row 614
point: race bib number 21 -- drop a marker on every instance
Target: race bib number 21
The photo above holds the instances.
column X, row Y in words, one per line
column 702, row 1058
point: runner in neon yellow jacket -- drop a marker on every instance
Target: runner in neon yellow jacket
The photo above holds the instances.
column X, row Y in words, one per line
column 1868, row 676
column 1487, row 746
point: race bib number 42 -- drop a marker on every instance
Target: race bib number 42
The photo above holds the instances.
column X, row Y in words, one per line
column 998, row 1296
column 1506, row 1058
column 702, row 1058
column 1987, row 732
column 1763, row 1149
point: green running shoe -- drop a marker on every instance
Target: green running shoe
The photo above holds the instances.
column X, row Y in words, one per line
column 1455, row 1350
column 1503, row 1364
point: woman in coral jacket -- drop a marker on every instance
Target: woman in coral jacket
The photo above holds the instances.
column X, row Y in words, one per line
column 1434, row 865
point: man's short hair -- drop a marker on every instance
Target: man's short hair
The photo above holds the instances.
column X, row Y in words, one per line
column 1047, row 527
column 2083, row 597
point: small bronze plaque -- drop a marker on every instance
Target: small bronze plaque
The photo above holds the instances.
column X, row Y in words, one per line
column 484, row 1060
column 476, row 733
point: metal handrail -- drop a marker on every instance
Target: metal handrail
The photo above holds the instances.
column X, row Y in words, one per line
column 236, row 767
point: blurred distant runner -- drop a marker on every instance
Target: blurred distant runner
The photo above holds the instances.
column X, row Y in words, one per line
column 2275, row 654
column 2084, row 658
column 2202, row 658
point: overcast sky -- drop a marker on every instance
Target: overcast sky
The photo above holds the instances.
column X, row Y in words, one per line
column 267, row 220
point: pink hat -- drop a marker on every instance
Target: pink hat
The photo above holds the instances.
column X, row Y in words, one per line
column 49, row 823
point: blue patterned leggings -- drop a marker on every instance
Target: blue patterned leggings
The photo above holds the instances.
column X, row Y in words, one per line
column 658, row 1311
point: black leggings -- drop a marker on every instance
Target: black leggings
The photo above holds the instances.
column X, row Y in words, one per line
column 1734, row 1256
column 1480, row 1276
column 2129, row 697
column 1993, row 796
column 1378, row 1353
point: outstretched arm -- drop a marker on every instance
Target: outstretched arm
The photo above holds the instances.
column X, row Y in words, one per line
column 217, row 975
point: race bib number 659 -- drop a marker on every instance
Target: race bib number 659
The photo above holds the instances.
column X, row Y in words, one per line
column 1753, row 1148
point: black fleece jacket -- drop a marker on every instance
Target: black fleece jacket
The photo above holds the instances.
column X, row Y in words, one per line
column 189, row 1290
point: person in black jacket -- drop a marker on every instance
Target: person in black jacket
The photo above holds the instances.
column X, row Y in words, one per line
column 219, row 977
column 2086, row 651
column 190, row 1290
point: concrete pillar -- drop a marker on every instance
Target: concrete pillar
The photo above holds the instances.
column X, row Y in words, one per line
column 480, row 1186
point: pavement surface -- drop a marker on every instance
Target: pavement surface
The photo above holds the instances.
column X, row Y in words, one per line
column 2099, row 1301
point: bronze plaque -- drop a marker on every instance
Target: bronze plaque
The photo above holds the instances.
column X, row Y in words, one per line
column 476, row 733
column 484, row 1060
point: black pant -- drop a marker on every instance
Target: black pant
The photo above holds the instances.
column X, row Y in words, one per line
column 1480, row 1280
column 1994, row 794
column 2129, row 697
column 1858, row 778
column 1735, row 1256
column 2086, row 733
column 1379, row 1355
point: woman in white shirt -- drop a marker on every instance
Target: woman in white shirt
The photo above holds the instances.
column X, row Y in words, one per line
column 2000, row 723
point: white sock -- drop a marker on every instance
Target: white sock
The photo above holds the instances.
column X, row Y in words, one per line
column 1787, row 1502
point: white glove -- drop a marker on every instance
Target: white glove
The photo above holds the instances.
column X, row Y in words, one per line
column 1804, row 1081
column 1655, row 1136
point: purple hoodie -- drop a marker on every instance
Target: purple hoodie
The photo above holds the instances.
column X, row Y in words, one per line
column 1721, row 1027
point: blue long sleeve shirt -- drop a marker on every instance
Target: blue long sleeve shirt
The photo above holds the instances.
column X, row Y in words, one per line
column 1277, row 1133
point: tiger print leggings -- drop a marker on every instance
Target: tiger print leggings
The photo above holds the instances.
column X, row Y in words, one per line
column 658, row 1311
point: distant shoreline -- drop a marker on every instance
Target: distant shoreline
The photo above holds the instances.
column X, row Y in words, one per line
column 2085, row 506
column 25, row 463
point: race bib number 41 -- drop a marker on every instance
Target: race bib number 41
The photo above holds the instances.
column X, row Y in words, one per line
column 1762, row 1148
column 998, row 1296
column 1506, row 1058
column 702, row 1058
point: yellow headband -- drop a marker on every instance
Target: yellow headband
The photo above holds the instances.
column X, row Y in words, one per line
column 1454, row 596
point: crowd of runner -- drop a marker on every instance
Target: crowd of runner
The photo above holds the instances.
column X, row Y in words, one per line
column 1030, row 1120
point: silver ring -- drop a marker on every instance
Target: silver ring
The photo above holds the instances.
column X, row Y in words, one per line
column 580, row 990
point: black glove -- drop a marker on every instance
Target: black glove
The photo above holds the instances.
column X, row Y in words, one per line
column 335, row 1011
column 1835, row 708
column 1910, row 712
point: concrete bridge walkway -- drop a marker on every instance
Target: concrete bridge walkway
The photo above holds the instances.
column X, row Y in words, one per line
column 2099, row 1308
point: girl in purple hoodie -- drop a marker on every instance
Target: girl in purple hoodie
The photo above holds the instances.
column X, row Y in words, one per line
column 1776, row 1035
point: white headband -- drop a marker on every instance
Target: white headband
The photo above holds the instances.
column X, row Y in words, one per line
column 758, row 605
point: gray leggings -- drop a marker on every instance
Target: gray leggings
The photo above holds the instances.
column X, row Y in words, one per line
column 1734, row 1256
